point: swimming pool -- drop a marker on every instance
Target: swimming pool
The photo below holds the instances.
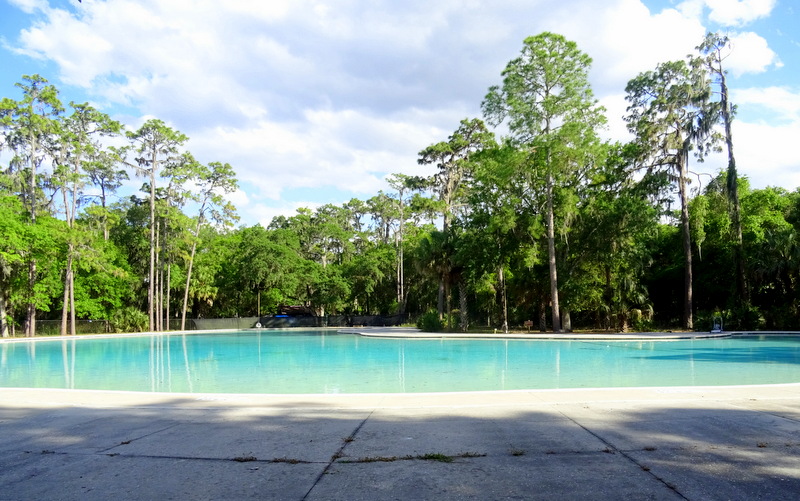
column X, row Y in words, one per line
column 316, row 361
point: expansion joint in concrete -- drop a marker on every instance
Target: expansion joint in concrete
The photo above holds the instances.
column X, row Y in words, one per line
column 338, row 454
column 611, row 448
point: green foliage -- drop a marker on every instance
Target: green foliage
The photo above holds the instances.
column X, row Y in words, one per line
column 642, row 321
column 103, row 280
column 366, row 273
column 698, row 210
column 128, row 319
column 269, row 260
column 747, row 317
column 429, row 322
column 552, row 116
column 328, row 289
column 455, row 161
column 12, row 232
column 671, row 115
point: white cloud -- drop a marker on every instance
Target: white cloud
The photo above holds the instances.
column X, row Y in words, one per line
column 269, row 12
column 238, row 198
column 739, row 12
column 616, row 107
column 692, row 8
column 782, row 103
column 29, row 6
column 761, row 153
column 263, row 214
column 763, row 141
column 317, row 95
column 728, row 12
column 626, row 38
column 344, row 149
column 750, row 54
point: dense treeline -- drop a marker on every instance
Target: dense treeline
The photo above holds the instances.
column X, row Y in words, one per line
column 546, row 223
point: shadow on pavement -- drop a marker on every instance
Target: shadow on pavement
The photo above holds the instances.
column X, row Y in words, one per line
column 184, row 448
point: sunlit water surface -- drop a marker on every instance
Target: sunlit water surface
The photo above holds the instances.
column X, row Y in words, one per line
column 327, row 362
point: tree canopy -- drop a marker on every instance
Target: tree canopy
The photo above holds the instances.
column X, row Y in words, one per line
column 528, row 218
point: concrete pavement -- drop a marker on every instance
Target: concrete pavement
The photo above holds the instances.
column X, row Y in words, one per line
column 647, row 443
column 413, row 333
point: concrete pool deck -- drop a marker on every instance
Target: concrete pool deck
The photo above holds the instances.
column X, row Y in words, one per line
column 697, row 443
column 412, row 333
column 693, row 443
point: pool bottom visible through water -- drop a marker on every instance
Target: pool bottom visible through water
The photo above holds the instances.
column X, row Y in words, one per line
column 313, row 362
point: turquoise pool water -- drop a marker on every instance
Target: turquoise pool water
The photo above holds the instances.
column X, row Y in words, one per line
column 327, row 362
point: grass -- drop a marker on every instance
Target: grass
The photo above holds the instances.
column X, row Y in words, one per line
column 249, row 458
column 287, row 460
column 436, row 457
column 431, row 456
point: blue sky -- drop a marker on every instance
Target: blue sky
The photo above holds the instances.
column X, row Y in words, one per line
column 315, row 101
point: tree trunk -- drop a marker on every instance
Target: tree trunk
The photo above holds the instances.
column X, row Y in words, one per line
column 503, row 298
column 161, row 288
column 440, row 298
column 65, row 309
column 156, row 282
column 71, row 249
column 688, row 321
column 68, row 310
column 399, row 285
column 742, row 288
column 406, row 291
column 543, row 315
column 551, row 251
column 152, row 273
column 72, row 325
column 186, row 289
column 166, row 309
column 30, row 315
column 462, row 305
column 448, row 305
column 4, row 330
column 401, row 280
column 609, row 294
column 400, row 265
column 104, row 220
column 65, row 300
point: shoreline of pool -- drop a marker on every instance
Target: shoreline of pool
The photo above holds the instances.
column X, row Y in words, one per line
column 414, row 333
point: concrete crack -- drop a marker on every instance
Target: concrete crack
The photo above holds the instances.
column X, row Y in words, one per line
column 126, row 442
column 611, row 448
column 337, row 454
